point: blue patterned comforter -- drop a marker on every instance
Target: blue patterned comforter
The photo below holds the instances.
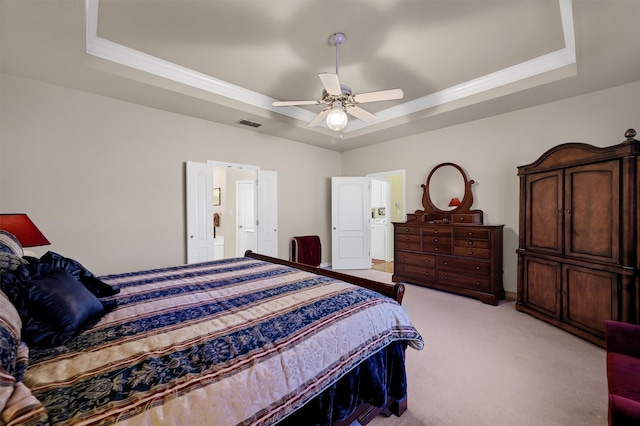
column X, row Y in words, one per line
column 237, row 341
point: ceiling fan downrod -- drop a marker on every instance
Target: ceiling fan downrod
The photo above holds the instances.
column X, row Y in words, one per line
column 336, row 40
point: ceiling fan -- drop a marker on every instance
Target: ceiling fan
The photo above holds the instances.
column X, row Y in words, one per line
column 339, row 100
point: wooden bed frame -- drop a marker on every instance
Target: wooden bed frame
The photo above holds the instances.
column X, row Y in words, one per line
column 394, row 291
column 365, row 412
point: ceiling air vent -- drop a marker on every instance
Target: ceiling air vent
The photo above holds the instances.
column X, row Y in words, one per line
column 249, row 123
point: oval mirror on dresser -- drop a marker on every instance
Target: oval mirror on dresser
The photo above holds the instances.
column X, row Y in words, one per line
column 447, row 185
column 447, row 196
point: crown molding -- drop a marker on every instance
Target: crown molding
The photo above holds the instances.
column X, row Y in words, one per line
column 128, row 57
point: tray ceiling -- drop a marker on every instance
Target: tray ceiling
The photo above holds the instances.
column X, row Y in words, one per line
column 226, row 61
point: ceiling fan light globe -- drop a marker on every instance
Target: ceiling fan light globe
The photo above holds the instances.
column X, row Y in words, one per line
column 337, row 119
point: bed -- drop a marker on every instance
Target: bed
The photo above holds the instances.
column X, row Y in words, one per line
column 250, row 340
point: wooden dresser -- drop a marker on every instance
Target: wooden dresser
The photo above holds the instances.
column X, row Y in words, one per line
column 452, row 249
column 578, row 260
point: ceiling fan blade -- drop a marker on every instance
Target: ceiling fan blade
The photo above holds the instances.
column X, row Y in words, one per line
column 360, row 113
column 318, row 118
column 380, row 95
column 290, row 103
column 331, row 83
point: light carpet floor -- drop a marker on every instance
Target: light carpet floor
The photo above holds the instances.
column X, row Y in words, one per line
column 492, row 365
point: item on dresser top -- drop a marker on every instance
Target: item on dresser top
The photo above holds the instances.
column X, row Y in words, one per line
column 446, row 245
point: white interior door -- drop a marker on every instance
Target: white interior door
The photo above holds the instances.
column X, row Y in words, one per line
column 246, row 217
column 268, row 213
column 199, row 215
column 350, row 223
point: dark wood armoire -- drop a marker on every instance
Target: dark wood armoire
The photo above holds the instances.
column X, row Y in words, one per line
column 578, row 256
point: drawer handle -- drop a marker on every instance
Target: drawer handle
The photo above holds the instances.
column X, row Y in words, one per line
column 426, row 261
column 470, row 243
column 477, row 268
column 436, row 240
column 407, row 246
column 407, row 238
column 446, row 263
column 403, row 257
column 462, row 219
column 470, row 234
column 436, row 249
column 436, row 231
column 470, row 253
column 426, row 273
column 478, row 284
column 446, row 278
column 408, row 229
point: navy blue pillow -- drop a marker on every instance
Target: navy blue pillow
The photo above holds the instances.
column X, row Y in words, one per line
column 58, row 305
column 51, row 261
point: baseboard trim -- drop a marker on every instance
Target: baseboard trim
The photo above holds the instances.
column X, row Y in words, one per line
column 510, row 296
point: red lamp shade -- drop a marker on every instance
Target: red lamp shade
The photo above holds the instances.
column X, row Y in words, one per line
column 24, row 230
column 454, row 202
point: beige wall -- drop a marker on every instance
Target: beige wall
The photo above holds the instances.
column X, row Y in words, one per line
column 103, row 179
column 490, row 150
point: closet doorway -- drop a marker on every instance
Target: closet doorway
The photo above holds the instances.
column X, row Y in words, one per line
column 236, row 208
column 228, row 212
column 387, row 206
column 248, row 208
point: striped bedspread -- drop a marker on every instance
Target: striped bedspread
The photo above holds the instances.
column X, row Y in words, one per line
column 236, row 341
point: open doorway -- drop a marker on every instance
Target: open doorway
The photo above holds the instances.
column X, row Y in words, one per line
column 212, row 211
column 387, row 207
column 235, row 209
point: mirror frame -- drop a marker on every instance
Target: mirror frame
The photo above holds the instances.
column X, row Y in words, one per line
column 427, row 201
column 431, row 211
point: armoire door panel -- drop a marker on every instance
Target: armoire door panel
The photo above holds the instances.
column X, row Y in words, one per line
column 543, row 286
column 590, row 298
column 592, row 211
column 544, row 212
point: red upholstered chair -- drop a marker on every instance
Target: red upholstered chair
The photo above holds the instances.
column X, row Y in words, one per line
column 306, row 249
column 623, row 372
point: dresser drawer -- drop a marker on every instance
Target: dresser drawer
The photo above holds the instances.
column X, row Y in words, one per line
column 436, row 248
column 437, row 240
column 417, row 272
column 408, row 242
column 480, row 244
column 479, row 253
column 466, row 218
column 463, row 266
column 461, row 232
column 404, row 229
column 436, row 231
column 416, row 259
column 464, row 281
